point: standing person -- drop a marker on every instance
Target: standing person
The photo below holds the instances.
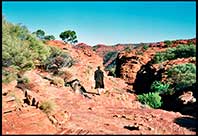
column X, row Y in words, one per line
column 99, row 83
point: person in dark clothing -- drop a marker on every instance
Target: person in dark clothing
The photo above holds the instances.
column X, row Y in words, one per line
column 99, row 83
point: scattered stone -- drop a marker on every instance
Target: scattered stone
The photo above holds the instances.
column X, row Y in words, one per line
column 130, row 127
column 8, row 111
column 106, row 124
column 115, row 116
column 53, row 120
column 150, row 128
column 89, row 108
column 11, row 98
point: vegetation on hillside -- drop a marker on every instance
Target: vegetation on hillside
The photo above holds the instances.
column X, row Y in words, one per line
column 20, row 50
column 181, row 51
column 160, row 87
column 168, row 43
column 48, row 106
column 181, row 76
column 23, row 51
column 41, row 35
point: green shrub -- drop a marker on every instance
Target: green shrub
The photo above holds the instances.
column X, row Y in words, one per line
column 127, row 49
column 23, row 80
column 159, row 87
column 16, row 98
column 168, row 43
column 49, row 37
column 111, row 71
column 58, row 81
column 152, row 99
column 181, row 51
column 139, row 53
column 8, row 76
column 20, row 49
column 145, row 47
column 182, row 76
column 47, row 106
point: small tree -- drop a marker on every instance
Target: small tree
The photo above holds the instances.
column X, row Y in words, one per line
column 39, row 33
column 69, row 36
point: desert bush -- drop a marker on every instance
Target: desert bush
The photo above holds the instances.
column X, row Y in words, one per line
column 57, row 59
column 159, row 87
column 168, row 43
column 17, row 54
column 139, row 53
column 112, row 71
column 181, row 51
column 58, row 81
column 152, row 99
column 8, row 76
column 145, row 47
column 185, row 51
column 127, row 49
column 20, row 49
column 182, row 76
column 16, row 98
column 41, row 35
column 67, row 75
column 24, row 80
column 47, row 106
column 49, row 37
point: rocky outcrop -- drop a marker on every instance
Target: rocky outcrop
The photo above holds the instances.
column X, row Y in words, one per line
column 59, row 44
column 130, row 62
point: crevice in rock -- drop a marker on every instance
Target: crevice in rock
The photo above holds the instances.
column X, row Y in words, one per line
column 145, row 77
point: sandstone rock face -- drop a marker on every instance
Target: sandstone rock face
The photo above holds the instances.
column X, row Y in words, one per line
column 129, row 63
column 59, row 44
column 27, row 121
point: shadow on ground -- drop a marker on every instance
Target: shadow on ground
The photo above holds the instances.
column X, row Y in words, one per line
column 187, row 122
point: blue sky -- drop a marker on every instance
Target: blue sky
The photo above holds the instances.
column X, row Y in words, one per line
column 107, row 22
